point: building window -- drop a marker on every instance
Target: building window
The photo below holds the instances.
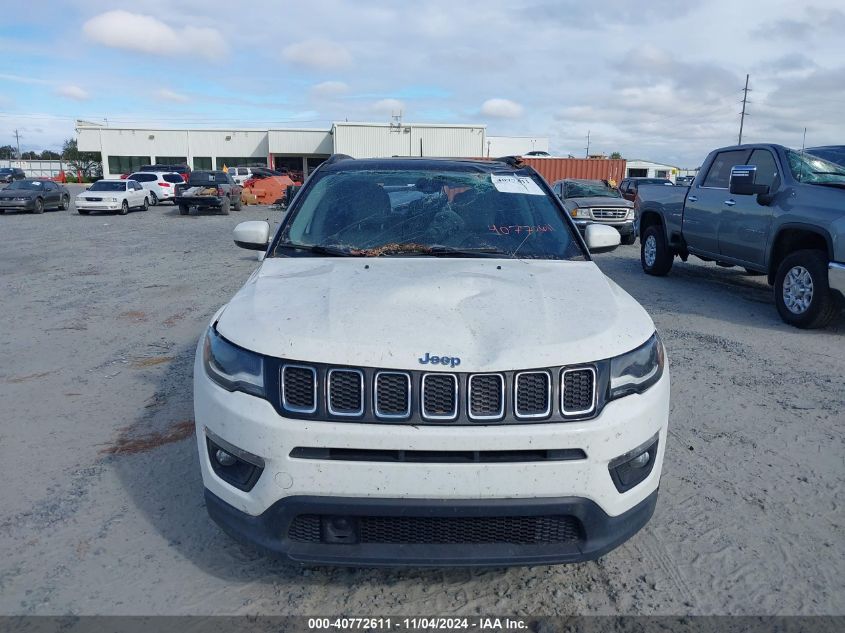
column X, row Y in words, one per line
column 637, row 173
column 127, row 164
column 314, row 162
column 241, row 161
column 171, row 160
column 661, row 173
column 202, row 162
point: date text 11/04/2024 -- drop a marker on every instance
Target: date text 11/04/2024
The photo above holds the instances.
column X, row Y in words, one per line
column 418, row 623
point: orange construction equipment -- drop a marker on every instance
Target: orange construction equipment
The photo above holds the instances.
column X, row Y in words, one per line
column 265, row 190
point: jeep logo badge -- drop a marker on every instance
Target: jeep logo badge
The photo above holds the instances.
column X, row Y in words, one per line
column 452, row 361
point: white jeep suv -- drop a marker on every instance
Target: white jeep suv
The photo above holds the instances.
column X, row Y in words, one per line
column 428, row 369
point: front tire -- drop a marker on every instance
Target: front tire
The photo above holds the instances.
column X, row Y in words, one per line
column 146, row 205
column 655, row 256
column 39, row 206
column 124, row 207
column 802, row 294
column 65, row 204
column 153, row 198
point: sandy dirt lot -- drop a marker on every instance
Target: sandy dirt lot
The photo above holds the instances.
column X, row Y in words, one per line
column 102, row 498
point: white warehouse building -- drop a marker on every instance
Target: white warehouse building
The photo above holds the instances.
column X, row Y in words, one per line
column 125, row 149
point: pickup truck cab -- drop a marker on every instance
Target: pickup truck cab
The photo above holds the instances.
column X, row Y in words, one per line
column 208, row 190
column 772, row 210
column 427, row 369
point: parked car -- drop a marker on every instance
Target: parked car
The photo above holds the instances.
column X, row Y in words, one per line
column 684, row 181
column 34, row 195
column 589, row 201
column 161, row 186
column 10, row 174
column 629, row 186
column 183, row 170
column 399, row 369
column 113, row 195
column 771, row 210
column 241, row 174
column 208, row 190
column 832, row 153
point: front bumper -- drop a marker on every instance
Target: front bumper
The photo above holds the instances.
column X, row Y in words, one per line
column 97, row 206
column 625, row 227
column 269, row 531
column 289, row 485
column 836, row 278
column 17, row 205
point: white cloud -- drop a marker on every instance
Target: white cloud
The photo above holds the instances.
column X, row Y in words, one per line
column 318, row 53
column 329, row 89
column 165, row 94
column 501, row 109
column 70, row 91
column 388, row 106
column 146, row 34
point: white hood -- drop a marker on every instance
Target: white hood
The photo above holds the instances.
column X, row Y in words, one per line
column 388, row 312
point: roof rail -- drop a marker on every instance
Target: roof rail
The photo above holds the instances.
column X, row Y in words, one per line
column 334, row 158
column 513, row 161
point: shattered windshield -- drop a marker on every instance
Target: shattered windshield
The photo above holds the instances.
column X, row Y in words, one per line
column 589, row 189
column 814, row 170
column 426, row 212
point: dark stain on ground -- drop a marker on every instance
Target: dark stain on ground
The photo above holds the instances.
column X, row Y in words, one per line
column 20, row 379
column 128, row 444
column 134, row 315
column 151, row 361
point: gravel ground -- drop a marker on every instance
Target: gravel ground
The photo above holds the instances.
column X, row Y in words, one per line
column 102, row 496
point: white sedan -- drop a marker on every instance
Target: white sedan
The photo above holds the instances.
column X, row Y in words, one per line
column 113, row 195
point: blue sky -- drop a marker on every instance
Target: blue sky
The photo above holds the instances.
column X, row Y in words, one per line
column 658, row 80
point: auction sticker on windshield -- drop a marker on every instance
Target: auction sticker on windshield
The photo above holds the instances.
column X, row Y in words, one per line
column 516, row 184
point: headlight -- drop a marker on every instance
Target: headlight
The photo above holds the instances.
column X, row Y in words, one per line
column 630, row 215
column 637, row 370
column 232, row 367
column 114, row 199
column 578, row 212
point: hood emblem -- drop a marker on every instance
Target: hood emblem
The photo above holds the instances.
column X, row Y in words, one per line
column 452, row 361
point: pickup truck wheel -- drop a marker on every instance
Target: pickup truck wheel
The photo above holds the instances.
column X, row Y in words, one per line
column 184, row 209
column 802, row 294
column 655, row 256
column 124, row 208
column 224, row 206
column 238, row 204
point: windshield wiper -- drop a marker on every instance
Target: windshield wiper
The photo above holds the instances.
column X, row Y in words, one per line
column 331, row 251
column 435, row 251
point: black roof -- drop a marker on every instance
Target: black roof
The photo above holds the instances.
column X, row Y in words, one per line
column 339, row 162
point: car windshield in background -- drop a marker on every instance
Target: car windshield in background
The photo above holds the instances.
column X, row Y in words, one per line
column 199, row 178
column 106, row 185
column 595, row 189
column 814, row 170
column 371, row 213
column 30, row 185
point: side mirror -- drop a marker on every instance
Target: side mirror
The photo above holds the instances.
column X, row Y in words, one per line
column 601, row 238
column 742, row 181
column 253, row 235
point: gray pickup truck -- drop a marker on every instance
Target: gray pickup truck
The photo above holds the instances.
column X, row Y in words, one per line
column 769, row 209
column 208, row 190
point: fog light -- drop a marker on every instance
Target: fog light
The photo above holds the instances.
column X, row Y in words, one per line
column 233, row 465
column 633, row 467
column 224, row 458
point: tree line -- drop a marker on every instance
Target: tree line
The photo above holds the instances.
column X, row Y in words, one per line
column 89, row 163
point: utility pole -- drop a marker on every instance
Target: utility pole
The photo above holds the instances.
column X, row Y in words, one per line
column 588, row 144
column 18, row 141
column 744, row 101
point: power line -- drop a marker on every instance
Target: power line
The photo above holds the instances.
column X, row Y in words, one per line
column 742, row 116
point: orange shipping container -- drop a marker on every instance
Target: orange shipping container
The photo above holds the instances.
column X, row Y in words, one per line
column 553, row 169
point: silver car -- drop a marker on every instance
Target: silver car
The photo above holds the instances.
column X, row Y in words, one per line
column 595, row 201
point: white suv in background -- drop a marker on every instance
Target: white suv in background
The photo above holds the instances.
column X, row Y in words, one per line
column 160, row 185
column 443, row 378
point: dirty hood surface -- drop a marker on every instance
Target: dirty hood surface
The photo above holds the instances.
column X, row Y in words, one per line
column 493, row 314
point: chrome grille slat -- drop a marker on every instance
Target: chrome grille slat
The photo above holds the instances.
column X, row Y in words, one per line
column 345, row 392
column 578, row 391
column 439, row 396
column 532, row 394
column 392, row 395
column 609, row 214
column 486, row 398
